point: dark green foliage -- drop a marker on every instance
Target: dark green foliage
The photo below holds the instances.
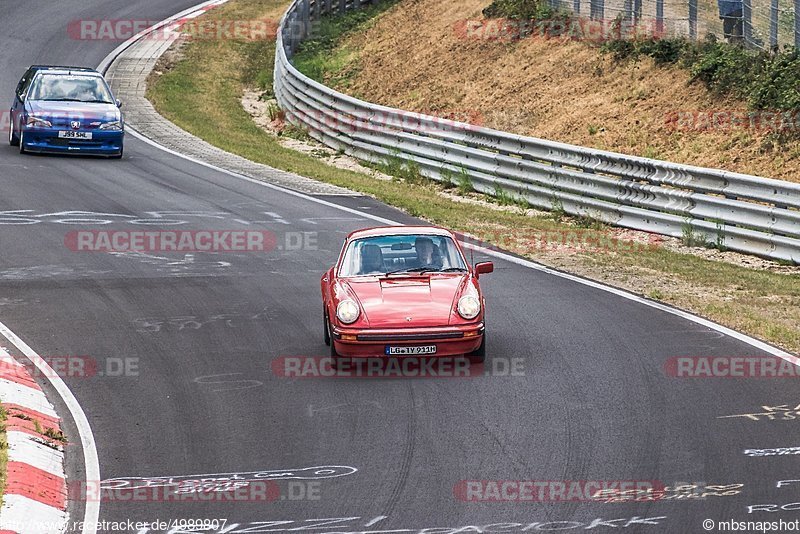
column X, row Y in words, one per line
column 767, row 81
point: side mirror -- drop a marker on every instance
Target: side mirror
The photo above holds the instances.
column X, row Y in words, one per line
column 119, row 103
column 485, row 267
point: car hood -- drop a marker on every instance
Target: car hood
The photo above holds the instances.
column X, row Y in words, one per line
column 83, row 110
column 426, row 300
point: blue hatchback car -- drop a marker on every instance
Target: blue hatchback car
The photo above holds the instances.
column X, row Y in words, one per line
column 66, row 110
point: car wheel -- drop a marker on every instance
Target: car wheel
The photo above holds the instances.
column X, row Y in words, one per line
column 334, row 356
column 479, row 354
column 13, row 140
column 22, row 142
column 326, row 332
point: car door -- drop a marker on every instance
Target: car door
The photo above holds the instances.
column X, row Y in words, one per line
column 19, row 98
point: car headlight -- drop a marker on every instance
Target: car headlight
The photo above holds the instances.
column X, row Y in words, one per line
column 36, row 122
column 115, row 125
column 469, row 307
column 347, row 311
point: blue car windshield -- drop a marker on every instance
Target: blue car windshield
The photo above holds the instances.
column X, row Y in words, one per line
column 398, row 254
column 70, row 88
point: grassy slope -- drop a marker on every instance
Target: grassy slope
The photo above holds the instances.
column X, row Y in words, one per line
column 202, row 94
column 549, row 88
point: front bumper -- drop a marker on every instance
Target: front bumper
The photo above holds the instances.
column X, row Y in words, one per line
column 102, row 143
column 369, row 343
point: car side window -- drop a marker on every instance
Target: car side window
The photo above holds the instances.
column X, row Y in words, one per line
column 25, row 83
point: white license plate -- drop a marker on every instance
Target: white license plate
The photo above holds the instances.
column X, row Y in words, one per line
column 410, row 351
column 75, row 135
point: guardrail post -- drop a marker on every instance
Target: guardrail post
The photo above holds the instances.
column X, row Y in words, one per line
column 693, row 20
column 660, row 17
column 597, row 9
column 773, row 25
column 290, row 35
column 304, row 15
column 797, row 24
column 747, row 23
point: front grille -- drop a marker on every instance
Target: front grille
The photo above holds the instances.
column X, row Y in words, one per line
column 409, row 337
column 75, row 142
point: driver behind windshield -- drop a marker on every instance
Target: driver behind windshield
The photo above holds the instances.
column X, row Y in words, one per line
column 427, row 253
column 85, row 92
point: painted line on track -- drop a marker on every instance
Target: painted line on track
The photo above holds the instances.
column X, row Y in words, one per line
column 756, row 343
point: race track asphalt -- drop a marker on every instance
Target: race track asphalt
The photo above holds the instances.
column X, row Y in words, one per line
column 590, row 399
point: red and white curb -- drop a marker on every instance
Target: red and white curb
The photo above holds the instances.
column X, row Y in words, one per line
column 35, row 495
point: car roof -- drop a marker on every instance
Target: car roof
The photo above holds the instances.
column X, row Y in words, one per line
column 399, row 230
column 64, row 68
column 66, row 71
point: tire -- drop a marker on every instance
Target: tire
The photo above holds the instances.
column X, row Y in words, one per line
column 13, row 140
column 326, row 332
column 333, row 355
column 479, row 354
column 22, row 142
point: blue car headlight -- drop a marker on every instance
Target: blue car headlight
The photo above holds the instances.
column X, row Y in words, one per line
column 37, row 122
column 114, row 126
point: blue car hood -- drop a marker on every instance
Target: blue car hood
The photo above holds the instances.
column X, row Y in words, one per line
column 84, row 110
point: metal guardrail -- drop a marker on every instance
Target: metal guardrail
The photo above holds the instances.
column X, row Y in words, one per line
column 739, row 212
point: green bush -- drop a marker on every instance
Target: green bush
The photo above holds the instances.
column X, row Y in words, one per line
column 663, row 51
column 778, row 84
column 767, row 81
column 724, row 68
column 518, row 10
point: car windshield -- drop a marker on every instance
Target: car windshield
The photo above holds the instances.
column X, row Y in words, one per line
column 69, row 88
column 399, row 254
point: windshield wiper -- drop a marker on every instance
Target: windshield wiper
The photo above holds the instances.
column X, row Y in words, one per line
column 453, row 270
column 77, row 100
column 414, row 270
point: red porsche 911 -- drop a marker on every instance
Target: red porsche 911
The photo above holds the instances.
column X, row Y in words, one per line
column 404, row 291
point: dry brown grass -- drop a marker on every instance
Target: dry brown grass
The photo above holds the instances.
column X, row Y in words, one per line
column 553, row 89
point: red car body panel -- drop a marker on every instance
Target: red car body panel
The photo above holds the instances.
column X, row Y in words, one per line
column 407, row 310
